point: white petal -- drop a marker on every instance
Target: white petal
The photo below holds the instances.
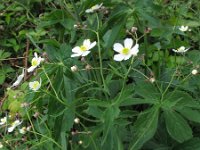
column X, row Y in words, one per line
column 119, row 57
column 76, row 49
column 37, row 88
column 174, row 50
column 128, row 43
column 187, row 49
column 31, row 85
column 36, row 55
column 86, row 43
column 19, row 79
column 31, row 69
column 10, row 129
column 41, row 59
column 135, row 50
column 127, row 57
column 118, row 47
column 76, row 55
column 92, row 45
column 89, row 11
column 85, row 53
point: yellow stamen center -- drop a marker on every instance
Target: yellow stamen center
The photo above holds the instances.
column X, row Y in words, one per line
column 125, row 51
column 34, row 62
column 181, row 49
column 35, row 85
column 83, row 48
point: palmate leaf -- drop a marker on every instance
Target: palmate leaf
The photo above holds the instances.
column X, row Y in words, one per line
column 145, row 128
column 177, row 127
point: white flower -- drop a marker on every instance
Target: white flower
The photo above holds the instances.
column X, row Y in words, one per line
column 3, row 120
column 194, row 71
column 181, row 49
column 22, row 130
column 14, row 125
column 19, row 79
column 83, row 50
column 35, row 62
column 74, row 68
column 94, row 8
column 183, row 28
column 126, row 51
column 35, row 85
column 1, row 145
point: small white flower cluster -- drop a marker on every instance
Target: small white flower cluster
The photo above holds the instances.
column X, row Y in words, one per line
column 181, row 49
column 125, row 52
column 184, row 28
column 13, row 125
column 23, row 130
column 94, row 8
column 35, row 85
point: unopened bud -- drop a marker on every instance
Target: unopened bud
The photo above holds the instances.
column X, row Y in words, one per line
column 152, row 80
column 77, row 120
column 36, row 114
column 134, row 29
column 74, row 68
column 73, row 132
column 148, row 30
column 194, row 71
column 88, row 67
column 75, row 26
column 80, row 142
column 24, row 105
column 83, row 59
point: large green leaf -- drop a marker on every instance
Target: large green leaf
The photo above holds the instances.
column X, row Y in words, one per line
column 145, row 128
column 110, row 114
column 190, row 114
column 177, row 126
column 147, row 90
column 193, row 144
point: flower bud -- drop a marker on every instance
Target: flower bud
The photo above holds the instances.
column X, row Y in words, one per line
column 194, row 71
column 36, row 114
column 134, row 29
column 80, row 142
column 88, row 67
column 147, row 30
column 74, row 68
column 77, row 120
column 152, row 80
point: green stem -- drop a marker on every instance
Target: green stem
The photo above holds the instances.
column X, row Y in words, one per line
column 100, row 58
column 123, row 86
column 76, row 11
column 31, row 124
column 52, row 86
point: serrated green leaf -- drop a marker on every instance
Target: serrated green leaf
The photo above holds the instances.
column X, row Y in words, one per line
column 190, row 114
column 193, row 144
column 145, row 128
column 177, row 127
